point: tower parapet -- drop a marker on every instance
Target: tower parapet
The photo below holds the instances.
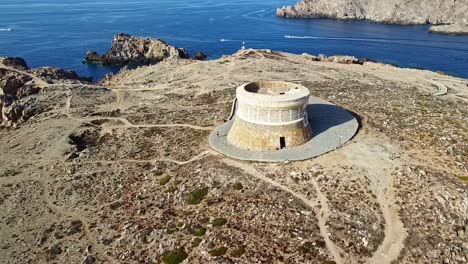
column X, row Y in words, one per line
column 271, row 115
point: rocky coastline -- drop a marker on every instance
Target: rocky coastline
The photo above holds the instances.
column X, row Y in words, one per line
column 19, row 84
column 446, row 16
column 454, row 29
column 130, row 50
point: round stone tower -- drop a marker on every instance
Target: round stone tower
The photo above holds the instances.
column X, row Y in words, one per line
column 270, row 115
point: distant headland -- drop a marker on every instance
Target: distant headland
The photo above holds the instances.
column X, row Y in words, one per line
column 448, row 17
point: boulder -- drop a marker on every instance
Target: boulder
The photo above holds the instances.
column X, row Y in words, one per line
column 93, row 57
column 345, row 59
column 131, row 50
column 342, row 59
column 200, row 56
column 14, row 62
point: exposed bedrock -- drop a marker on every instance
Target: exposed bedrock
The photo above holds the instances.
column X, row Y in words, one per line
column 435, row 12
column 127, row 49
column 456, row 29
column 18, row 84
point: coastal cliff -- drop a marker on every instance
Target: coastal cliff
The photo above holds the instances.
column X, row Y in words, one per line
column 450, row 13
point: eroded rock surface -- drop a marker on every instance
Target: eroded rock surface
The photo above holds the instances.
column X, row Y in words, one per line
column 123, row 173
column 451, row 13
column 127, row 49
column 18, row 83
column 457, row 29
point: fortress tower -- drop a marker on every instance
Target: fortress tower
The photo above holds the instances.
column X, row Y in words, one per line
column 270, row 115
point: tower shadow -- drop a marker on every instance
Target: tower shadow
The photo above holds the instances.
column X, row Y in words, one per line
column 323, row 117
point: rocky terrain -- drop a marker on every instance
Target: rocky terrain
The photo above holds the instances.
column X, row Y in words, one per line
column 458, row 29
column 122, row 172
column 446, row 16
column 18, row 83
column 131, row 50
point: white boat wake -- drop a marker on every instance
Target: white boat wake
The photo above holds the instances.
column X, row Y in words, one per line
column 332, row 38
column 6, row 29
column 406, row 42
column 253, row 13
column 229, row 40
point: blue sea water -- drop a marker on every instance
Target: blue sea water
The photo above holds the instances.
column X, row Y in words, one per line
column 60, row 32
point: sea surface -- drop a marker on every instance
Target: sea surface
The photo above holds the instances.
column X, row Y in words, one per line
column 60, row 32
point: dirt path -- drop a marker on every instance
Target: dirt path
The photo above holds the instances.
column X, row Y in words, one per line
column 178, row 162
column 39, row 82
column 375, row 159
column 57, row 209
column 321, row 213
column 129, row 125
column 124, row 121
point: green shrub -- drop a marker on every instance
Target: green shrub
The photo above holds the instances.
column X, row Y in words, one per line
column 171, row 189
column 219, row 221
column 218, row 251
column 238, row 186
column 158, row 173
column 200, row 232
column 164, row 180
column 463, row 178
column 177, row 182
column 174, row 256
column 238, row 252
column 196, row 196
column 196, row 242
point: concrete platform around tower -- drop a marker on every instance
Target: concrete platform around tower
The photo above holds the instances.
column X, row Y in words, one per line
column 332, row 126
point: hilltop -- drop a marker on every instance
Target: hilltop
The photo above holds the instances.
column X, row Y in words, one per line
column 122, row 172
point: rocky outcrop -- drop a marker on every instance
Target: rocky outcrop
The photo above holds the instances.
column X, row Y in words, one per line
column 51, row 74
column 342, row 59
column 136, row 51
column 199, row 56
column 385, row 11
column 457, row 29
column 14, row 62
column 14, row 86
column 18, row 83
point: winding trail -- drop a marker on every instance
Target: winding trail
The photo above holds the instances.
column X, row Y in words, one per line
column 40, row 82
column 395, row 232
column 376, row 160
column 57, row 209
column 129, row 125
column 178, row 162
column 124, row 121
column 321, row 213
